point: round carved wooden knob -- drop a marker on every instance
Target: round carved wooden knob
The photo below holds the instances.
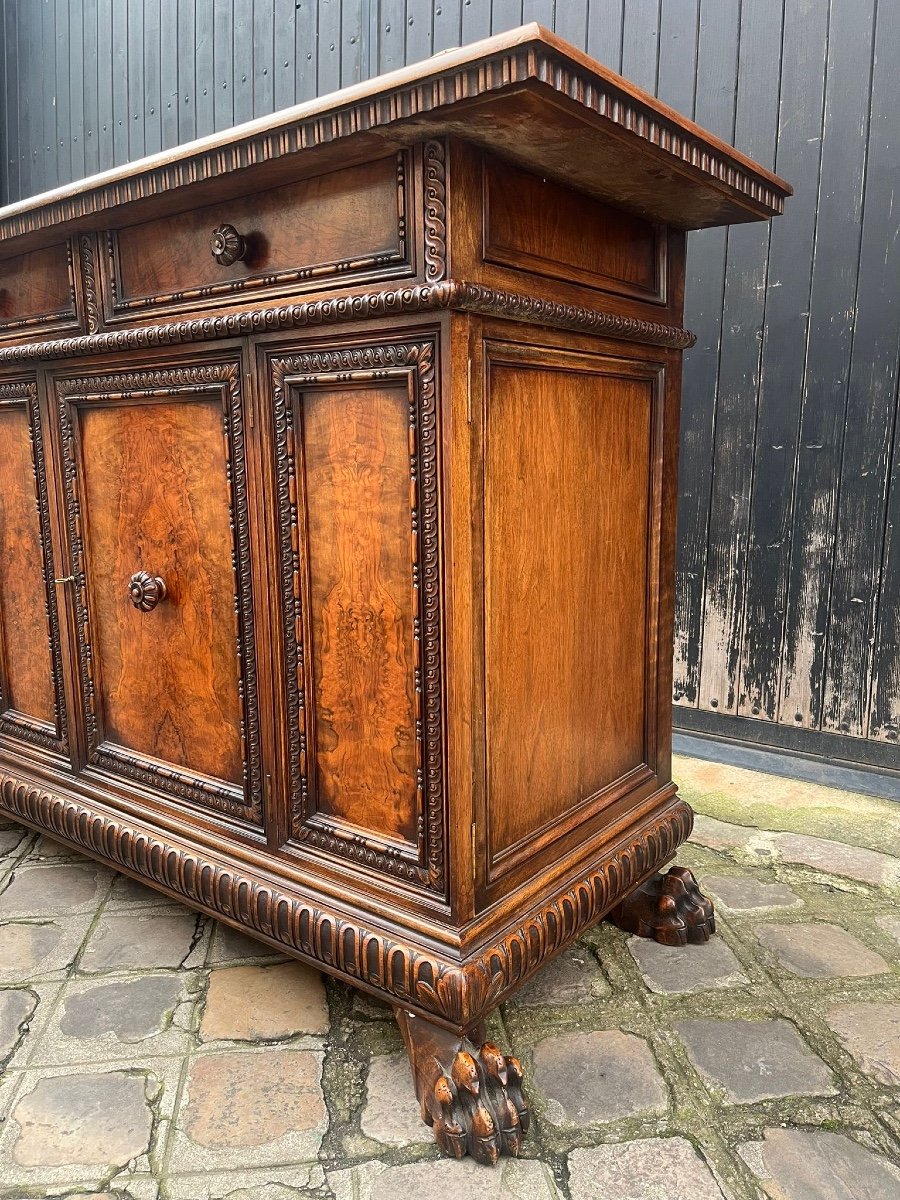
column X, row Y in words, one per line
column 145, row 591
column 227, row 245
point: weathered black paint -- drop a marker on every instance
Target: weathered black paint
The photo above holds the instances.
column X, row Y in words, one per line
column 788, row 607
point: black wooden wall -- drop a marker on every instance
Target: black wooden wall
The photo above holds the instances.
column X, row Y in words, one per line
column 788, row 595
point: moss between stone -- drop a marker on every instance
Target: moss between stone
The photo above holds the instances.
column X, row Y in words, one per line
column 787, row 805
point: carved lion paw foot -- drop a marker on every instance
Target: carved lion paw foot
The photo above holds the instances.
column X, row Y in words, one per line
column 472, row 1098
column 479, row 1108
column 670, row 908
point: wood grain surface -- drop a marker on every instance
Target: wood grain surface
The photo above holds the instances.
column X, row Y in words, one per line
column 27, row 681
column 565, row 594
column 156, row 499
column 356, row 451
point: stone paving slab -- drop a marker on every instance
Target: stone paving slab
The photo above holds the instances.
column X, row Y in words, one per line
column 647, row 1169
column 820, row 951
column 39, row 950
column 252, row 1003
column 573, row 977
column 112, row 1019
column 263, row 1183
column 591, row 1078
column 81, row 1125
column 871, row 1034
column 675, row 970
column 144, row 941
column 511, row 1179
column 755, row 1060
column 794, row 1164
column 53, row 889
column 746, row 894
column 249, row 1108
column 391, row 1114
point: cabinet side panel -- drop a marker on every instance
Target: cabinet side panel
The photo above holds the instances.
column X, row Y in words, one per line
column 28, row 682
column 566, row 593
column 356, row 446
column 156, row 499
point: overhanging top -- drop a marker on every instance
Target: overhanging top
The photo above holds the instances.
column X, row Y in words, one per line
column 525, row 94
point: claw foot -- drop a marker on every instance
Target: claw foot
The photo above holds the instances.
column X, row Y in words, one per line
column 472, row 1098
column 670, row 908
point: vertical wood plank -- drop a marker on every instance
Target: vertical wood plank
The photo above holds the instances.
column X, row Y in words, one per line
column 223, row 64
column 505, row 14
column 717, row 56
column 884, row 718
column 572, row 21
column 151, row 104
column 354, row 31
column 419, row 33
column 783, row 356
column 833, row 303
column 476, row 20
column 329, row 47
column 120, row 81
column 542, row 11
column 640, row 43
column 285, row 48
column 263, row 57
column 871, row 406
column 204, row 59
column 306, row 63
column 135, row 80
column 62, row 132
column 90, row 75
column 678, row 21
column 391, row 34
column 743, row 319
column 242, row 61
column 105, row 116
column 446, row 24
column 168, row 72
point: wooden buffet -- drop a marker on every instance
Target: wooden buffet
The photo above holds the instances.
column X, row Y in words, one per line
column 337, row 502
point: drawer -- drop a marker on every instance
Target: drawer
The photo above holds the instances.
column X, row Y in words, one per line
column 349, row 226
column 38, row 295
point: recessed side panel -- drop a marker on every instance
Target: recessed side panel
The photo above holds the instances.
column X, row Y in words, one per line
column 362, row 606
column 537, row 225
column 31, row 703
column 359, row 525
column 157, row 515
column 567, row 495
column 37, row 294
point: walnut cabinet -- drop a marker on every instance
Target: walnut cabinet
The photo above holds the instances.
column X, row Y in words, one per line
column 337, row 491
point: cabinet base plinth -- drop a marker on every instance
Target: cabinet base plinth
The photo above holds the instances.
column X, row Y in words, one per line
column 668, row 907
column 471, row 1097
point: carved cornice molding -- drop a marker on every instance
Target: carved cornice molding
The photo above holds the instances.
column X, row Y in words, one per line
column 444, row 86
column 458, row 994
column 453, row 294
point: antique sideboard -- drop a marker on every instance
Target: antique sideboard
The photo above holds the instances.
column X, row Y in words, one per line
column 337, row 501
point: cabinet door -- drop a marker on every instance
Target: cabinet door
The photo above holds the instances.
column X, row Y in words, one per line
column 357, row 450
column 156, row 495
column 32, row 706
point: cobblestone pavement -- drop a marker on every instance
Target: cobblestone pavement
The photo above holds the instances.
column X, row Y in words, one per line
column 151, row 1054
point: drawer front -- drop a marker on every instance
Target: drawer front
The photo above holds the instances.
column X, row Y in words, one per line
column 157, row 512
column 345, row 227
column 359, row 510
column 38, row 294
column 32, row 706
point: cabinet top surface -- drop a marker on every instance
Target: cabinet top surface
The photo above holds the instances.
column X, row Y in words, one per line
column 525, row 94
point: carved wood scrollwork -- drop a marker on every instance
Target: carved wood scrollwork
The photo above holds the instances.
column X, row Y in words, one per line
column 435, row 212
column 459, row 994
column 422, row 864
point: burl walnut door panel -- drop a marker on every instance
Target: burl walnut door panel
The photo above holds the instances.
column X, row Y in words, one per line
column 158, row 521
column 32, row 706
column 569, row 543
column 358, row 503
